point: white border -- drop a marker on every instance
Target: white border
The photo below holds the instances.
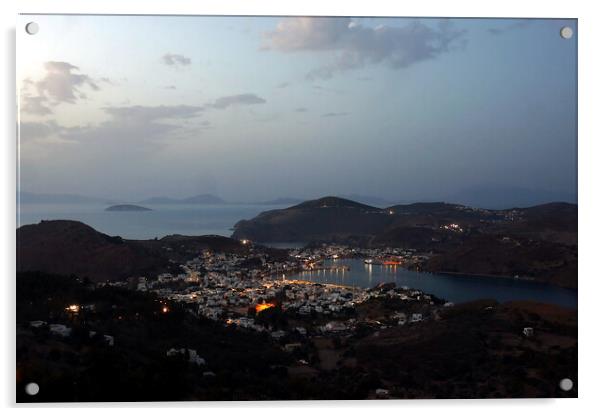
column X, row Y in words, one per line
column 590, row 23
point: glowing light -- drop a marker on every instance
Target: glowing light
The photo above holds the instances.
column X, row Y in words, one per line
column 165, row 309
column 72, row 308
column 263, row 306
column 245, row 242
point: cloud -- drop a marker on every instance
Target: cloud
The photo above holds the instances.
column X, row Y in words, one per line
column 35, row 105
column 107, row 81
column 172, row 59
column 134, row 147
column 60, row 84
column 139, row 125
column 326, row 89
column 170, row 87
column 334, row 114
column 353, row 45
column 301, row 110
column 283, row 85
column 234, row 100
column 150, row 114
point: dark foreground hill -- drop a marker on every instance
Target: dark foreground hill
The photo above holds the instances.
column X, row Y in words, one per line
column 71, row 247
column 538, row 242
column 474, row 350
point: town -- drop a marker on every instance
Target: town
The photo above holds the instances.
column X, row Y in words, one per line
column 256, row 292
column 251, row 291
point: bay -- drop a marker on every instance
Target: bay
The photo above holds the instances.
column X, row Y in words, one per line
column 453, row 288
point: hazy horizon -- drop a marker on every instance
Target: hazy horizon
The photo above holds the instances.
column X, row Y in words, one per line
column 259, row 108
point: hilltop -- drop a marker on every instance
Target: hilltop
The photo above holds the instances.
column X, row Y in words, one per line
column 326, row 218
column 71, row 247
column 538, row 242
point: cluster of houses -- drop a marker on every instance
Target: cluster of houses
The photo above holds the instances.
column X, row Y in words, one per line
column 225, row 287
column 311, row 257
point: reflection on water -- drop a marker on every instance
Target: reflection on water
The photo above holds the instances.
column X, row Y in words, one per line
column 452, row 288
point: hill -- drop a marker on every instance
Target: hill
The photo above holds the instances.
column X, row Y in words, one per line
column 471, row 350
column 538, row 242
column 476, row 350
column 328, row 218
column 71, row 247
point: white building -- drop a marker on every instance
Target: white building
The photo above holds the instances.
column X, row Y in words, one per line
column 60, row 329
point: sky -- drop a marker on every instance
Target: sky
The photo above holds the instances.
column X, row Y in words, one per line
column 255, row 108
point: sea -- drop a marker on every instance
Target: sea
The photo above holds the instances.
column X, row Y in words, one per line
column 194, row 219
column 220, row 219
column 453, row 288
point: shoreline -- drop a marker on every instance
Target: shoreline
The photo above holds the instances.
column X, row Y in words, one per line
column 500, row 276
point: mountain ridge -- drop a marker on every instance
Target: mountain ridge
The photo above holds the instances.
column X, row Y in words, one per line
column 538, row 242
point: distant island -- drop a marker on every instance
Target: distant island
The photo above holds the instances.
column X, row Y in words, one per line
column 489, row 196
column 127, row 207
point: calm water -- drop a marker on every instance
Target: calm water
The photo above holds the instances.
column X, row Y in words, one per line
column 452, row 288
column 162, row 221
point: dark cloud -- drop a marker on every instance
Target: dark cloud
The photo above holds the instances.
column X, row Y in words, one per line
column 35, row 105
column 173, row 59
column 151, row 114
column 355, row 46
column 334, row 114
column 60, row 84
column 234, row 100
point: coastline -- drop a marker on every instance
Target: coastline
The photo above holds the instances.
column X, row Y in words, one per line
column 501, row 276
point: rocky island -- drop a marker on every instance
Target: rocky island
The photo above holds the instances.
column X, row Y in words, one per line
column 127, row 207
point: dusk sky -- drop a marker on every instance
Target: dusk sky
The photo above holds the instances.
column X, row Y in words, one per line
column 252, row 108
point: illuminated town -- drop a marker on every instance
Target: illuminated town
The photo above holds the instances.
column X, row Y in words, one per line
column 224, row 287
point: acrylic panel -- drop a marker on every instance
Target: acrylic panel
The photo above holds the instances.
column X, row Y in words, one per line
column 295, row 208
